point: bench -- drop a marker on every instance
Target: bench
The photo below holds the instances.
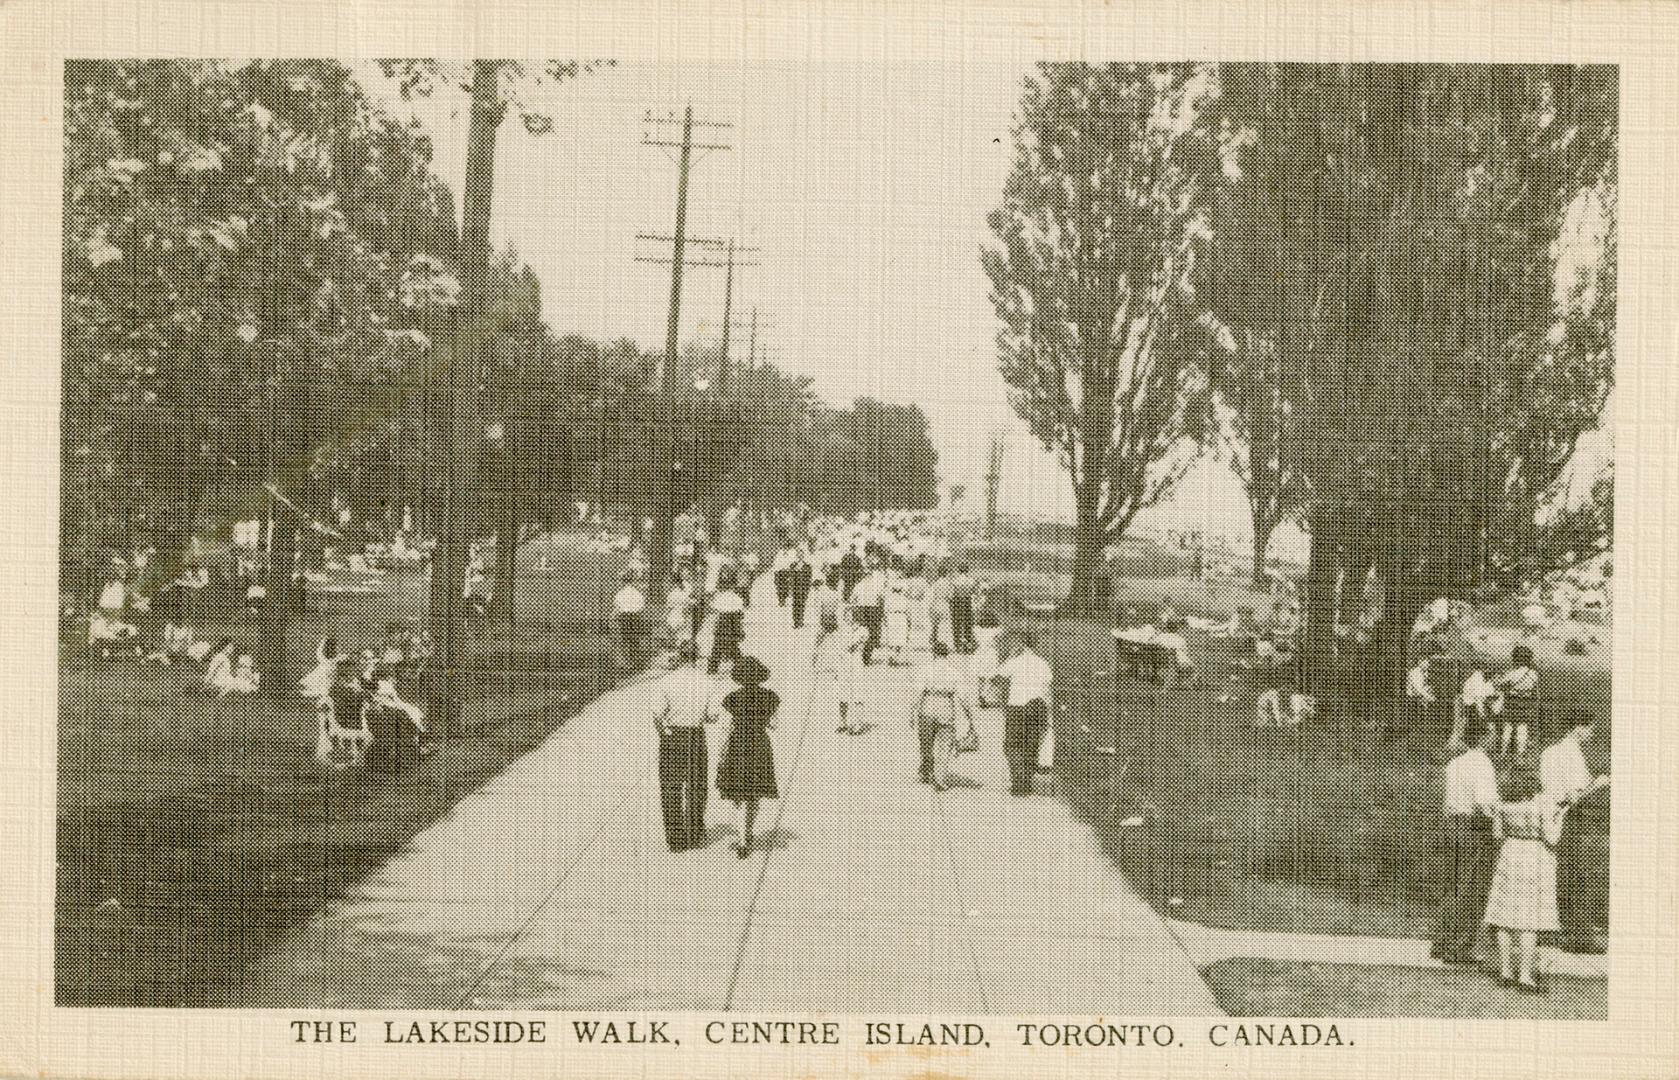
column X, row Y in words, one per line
column 1144, row 656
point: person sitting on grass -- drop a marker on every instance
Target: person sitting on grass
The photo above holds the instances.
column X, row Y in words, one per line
column 218, row 666
column 1522, row 901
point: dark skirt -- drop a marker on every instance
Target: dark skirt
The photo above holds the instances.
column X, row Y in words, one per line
column 747, row 767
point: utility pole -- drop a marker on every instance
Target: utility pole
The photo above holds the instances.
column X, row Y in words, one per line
column 664, row 456
column 728, row 302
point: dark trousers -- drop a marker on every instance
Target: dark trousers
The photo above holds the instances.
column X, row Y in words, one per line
column 781, row 585
column 1023, row 736
column 682, row 786
column 962, row 623
column 1467, row 875
column 936, row 740
column 723, row 648
column 869, row 619
column 801, row 597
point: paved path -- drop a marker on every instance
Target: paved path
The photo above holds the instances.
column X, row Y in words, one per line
column 552, row 888
column 1208, row 944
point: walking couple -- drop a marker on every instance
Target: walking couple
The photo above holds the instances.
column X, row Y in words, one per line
column 687, row 701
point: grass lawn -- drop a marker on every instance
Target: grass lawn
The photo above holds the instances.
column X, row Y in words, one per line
column 1248, row 987
column 191, row 830
column 1327, row 829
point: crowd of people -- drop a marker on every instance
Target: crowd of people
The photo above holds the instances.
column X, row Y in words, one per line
column 362, row 700
column 883, row 591
column 1502, row 830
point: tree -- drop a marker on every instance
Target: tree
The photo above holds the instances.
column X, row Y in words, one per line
column 1412, row 213
column 492, row 89
column 1260, row 436
column 1102, row 219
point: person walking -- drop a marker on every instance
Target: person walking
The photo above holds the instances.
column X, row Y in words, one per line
column 938, row 605
column 836, row 662
column 629, row 607
column 1470, row 803
column 941, row 704
column 894, row 625
column 1025, row 709
column 1522, row 899
column 746, row 771
column 782, row 563
column 685, row 703
column 851, row 571
column 962, row 587
column 728, row 623
column 868, row 607
column 800, row 576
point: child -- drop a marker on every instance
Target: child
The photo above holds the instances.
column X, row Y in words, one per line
column 1520, row 687
column 1522, row 901
column 837, row 659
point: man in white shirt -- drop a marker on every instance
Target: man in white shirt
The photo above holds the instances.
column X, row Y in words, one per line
column 1563, row 771
column 1025, row 709
column 868, row 601
column 684, row 702
column 628, row 607
column 1471, row 800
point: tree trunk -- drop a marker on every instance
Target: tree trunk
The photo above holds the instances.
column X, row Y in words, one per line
column 1264, row 524
column 1317, row 657
column 1090, row 544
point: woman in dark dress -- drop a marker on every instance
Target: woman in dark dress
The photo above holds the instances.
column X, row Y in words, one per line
column 746, row 771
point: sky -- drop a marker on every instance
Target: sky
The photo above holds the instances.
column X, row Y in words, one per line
column 864, row 189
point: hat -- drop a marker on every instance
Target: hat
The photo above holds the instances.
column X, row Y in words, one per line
column 750, row 671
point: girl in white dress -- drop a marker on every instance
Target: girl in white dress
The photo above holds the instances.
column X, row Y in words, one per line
column 836, row 662
column 894, row 630
column 1522, row 902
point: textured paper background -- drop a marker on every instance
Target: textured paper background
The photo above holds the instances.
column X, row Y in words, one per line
column 678, row 44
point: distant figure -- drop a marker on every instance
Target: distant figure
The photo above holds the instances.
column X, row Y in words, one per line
column 800, row 576
column 746, row 772
column 629, row 608
column 894, row 633
column 962, row 588
column 218, row 667
column 868, row 601
column 1519, row 687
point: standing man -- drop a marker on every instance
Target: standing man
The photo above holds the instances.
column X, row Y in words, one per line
column 800, row 576
column 1025, row 709
column 851, row 571
column 962, row 586
column 779, row 568
column 1471, row 802
column 685, row 704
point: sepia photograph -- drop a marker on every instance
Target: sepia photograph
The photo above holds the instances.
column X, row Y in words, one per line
column 1086, row 539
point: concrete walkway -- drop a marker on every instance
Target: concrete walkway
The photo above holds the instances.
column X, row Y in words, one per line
column 552, row 888
column 1209, row 944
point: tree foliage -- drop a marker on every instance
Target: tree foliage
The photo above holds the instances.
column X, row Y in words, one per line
column 1101, row 223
